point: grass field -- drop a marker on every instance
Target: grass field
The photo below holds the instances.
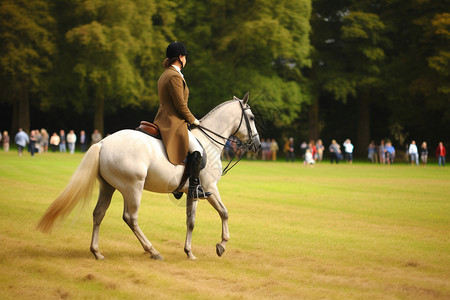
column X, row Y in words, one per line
column 331, row 232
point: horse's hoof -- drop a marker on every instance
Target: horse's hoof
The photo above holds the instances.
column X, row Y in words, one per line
column 220, row 249
column 156, row 257
column 191, row 256
column 98, row 256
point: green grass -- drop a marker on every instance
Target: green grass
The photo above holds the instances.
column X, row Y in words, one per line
column 356, row 231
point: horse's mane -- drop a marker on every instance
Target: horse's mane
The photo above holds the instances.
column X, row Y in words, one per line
column 218, row 107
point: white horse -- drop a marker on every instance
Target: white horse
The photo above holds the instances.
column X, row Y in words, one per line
column 131, row 161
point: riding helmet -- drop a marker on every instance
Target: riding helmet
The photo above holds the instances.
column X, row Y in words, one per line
column 175, row 49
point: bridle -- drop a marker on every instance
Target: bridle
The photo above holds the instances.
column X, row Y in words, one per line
column 243, row 146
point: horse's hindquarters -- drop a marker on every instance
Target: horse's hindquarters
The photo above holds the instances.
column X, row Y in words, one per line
column 129, row 158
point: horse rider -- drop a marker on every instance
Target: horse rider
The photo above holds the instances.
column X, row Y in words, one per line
column 174, row 118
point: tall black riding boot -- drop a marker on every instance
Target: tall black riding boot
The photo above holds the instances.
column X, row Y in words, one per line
column 195, row 189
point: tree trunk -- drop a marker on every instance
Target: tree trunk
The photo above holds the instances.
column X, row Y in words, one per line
column 313, row 123
column 99, row 106
column 363, row 132
column 21, row 111
column 313, row 114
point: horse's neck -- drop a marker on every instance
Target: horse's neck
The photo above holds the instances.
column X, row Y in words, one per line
column 223, row 120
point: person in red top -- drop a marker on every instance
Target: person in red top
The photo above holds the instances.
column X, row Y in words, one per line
column 440, row 154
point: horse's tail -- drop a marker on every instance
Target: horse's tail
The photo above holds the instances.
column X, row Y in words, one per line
column 80, row 188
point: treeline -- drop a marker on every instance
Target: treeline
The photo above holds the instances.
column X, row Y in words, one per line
column 359, row 69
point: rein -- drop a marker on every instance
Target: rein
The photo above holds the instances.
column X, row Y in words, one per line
column 245, row 146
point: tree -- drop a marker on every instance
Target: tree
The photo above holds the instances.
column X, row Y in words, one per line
column 257, row 46
column 419, row 66
column 350, row 55
column 111, row 45
column 26, row 47
column 363, row 33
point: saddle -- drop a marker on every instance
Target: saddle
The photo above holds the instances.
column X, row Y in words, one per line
column 150, row 129
column 153, row 130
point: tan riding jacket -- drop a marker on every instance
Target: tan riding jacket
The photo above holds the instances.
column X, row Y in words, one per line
column 174, row 115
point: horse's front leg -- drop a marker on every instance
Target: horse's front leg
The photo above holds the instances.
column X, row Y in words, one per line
column 191, row 208
column 216, row 202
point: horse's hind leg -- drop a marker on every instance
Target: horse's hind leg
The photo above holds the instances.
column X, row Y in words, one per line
column 191, row 208
column 132, row 199
column 104, row 200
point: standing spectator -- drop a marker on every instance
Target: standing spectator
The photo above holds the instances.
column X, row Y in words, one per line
column 382, row 152
column 319, row 148
column 372, row 151
column 38, row 138
column 440, row 154
column 268, row 154
column 83, row 141
column 413, row 153
column 44, row 140
column 313, row 149
column 286, row 148
column 390, row 153
column 348, row 151
column 335, row 152
column 228, row 150
column 424, row 153
column 71, row 140
column 96, row 137
column 274, row 149
column 264, row 149
column 5, row 140
column 21, row 139
column 33, row 140
column 289, row 149
column 54, row 142
column 62, row 141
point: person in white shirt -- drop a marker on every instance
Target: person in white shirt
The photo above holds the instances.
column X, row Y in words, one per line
column 413, row 153
column 71, row 140
column 309, row 160
column 348, row 150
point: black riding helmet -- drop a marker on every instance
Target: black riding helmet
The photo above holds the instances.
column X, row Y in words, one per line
column 175, row 49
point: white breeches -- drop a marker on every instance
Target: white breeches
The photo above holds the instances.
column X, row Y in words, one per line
column 194, row 145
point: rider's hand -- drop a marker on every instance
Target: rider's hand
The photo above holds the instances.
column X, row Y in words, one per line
column 196, row 122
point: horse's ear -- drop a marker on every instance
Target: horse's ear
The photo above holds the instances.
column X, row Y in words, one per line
column 235, row 98
column 245, row 100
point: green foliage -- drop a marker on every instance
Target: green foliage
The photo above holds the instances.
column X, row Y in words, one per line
column 26, row 50
column 107, row 42
column 96, row 55
column 362, row 34
column 236, row 46
column 26, row 46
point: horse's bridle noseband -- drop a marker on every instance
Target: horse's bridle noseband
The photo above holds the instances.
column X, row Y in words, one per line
column 245, row 146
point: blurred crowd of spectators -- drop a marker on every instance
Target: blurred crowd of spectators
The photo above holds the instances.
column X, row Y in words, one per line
column 39, row 141
column 313, row 152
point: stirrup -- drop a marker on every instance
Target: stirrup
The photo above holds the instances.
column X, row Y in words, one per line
column 197, row 192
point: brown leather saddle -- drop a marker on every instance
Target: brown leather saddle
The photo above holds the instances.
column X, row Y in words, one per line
column 150, row 129
column 153, row 130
